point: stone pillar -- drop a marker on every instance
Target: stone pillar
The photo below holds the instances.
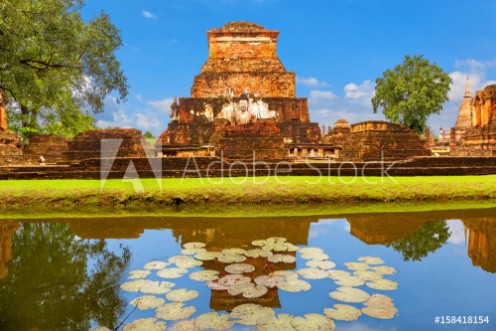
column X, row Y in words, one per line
column 3, row 110
column 427, row 138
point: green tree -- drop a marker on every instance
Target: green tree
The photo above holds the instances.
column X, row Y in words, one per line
column 53, row 64
column 58, row 281
column 429, row 238
column 411, row 92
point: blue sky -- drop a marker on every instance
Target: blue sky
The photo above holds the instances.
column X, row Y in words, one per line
column 337, row 48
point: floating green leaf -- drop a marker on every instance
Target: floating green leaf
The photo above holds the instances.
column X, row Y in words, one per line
column 311, row 250
column 193, row 245
column 156, row 265
column 172, row 272
column 371, row 260
column 204, row 275
column 350, row 281
column 291, row 247
column 384, row 270
column 147, row 302
column 257, row 252
column 233, row 251
column 313, row 273
column 239, row 288
column 296, row 285
column 343, row 312
column 368, row 275
column 287, row 274
column 259, row 243
column 239, row 268
column 181, row 295
column 156, row 287
column 213, row 321
column 338, row 274
column 135, row 285
column 282, row 258
column 313, row 322
column 216, row 286
column 193, row 251
column 315, row 256
column 138, row 274
column 358, row 266
column 255, row 292
column 276, row 240
column 233, row 279
column 251, row 314
column 383, row 284
column 349, row 294
column 321, row 264
column 269, row 281
column 231, row 258
column 145, row 324
column 183, row 261
column 280, row 323
column 207, row 256
column 187, row 325
column 174, row 311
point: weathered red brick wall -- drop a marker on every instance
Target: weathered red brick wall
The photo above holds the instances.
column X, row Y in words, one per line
column 52, row 148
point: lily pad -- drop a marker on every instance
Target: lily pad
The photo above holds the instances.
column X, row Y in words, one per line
column 181, row 295
column 157, row 287
column 276, row 240
column 349, row 294
column 147, row 302
column 213, row 321
column 135, row 285
column 233, row 279
column 296, row 285
column 280, row 323
column 138, row 274
column 383, row 284
column 287, row 274
column 193, row 245
column 371, row 260
column 239, row 268
column 315, row 256
column 145, row 324
column 321, row 264
column 313, row 322
column 382, row 313
column 207, row 256
column 356, row 266
column 192, row 251
column 216, row 286
column 255, row 292
column 183, row 261
column 257, row 252
column 172, row 272
column 311, row 250
column 338, row 274
column 343, row 312
column 156, row 265
column 174, row 311
column 239, row 289
column 282, row 258
column 291, row 248
column 313, row 273
column 269, row 281
column 252, row 314
column 259, row 243
column 204, row 275
column 186, row 325
column 350, row 281
column 368, row 275
column 379, row 301
column 384, row 270
column 231, row 258
column 233, row 251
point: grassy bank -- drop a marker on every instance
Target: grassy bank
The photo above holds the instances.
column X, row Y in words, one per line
column 200, row 193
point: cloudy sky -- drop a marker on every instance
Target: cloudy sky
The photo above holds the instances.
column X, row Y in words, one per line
column 337, row 48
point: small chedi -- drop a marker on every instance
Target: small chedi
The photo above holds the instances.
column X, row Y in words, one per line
column 243, row 101
column 475, row 131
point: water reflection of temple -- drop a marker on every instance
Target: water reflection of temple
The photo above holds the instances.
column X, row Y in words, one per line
column 482, row 242
column 6, row 232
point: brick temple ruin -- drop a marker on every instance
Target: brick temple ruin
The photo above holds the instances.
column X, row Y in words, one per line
column 243, row 107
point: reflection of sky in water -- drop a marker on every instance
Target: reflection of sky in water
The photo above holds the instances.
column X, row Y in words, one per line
column 444, row 283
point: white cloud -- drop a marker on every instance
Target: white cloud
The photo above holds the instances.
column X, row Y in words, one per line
column 363, row 92
column 138, row 97
column 147, row 122
column 161, row 105
column 315, row 94
column 119, row 119
column 148, row 14
column 457, row 232
column 310, row 81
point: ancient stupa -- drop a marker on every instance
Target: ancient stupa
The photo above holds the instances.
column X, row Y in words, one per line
column 242, row 98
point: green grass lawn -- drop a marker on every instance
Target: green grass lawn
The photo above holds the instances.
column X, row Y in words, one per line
column 217, row 193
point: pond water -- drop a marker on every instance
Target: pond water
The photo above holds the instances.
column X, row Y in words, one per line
column 74, row 274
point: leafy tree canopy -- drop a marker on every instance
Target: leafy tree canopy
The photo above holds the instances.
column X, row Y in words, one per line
column 53, row 64
column 411, row 92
